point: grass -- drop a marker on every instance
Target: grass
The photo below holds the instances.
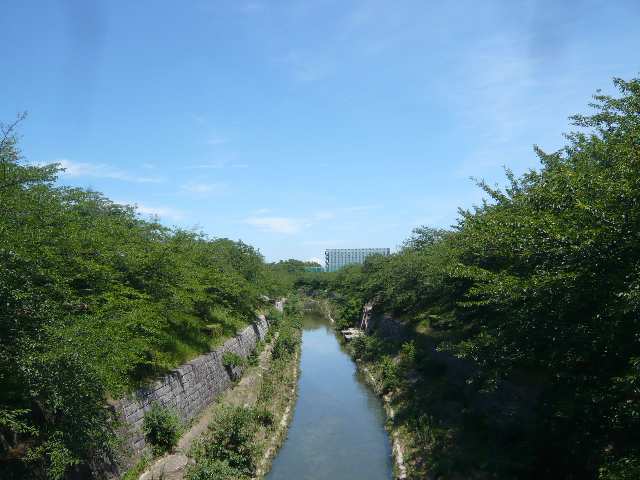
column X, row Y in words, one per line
column 134, row 472
column 241, row 438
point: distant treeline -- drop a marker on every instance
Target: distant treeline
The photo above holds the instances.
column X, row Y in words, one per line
column 538, row 286
column 95, row 300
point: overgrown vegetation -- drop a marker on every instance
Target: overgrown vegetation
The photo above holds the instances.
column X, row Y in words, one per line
column 232, row 359
column 238, row 436
column 96, row 301
column 162, row 428
column 525, row 317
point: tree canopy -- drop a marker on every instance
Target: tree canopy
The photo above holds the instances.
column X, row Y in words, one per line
column 95, row 301
column 542, row 282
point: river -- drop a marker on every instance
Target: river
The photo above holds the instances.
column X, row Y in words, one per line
column 337, row 431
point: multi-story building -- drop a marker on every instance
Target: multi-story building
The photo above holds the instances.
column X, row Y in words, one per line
column 336, row 258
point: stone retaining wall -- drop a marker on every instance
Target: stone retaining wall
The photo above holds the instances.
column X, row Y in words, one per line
column 187, row 390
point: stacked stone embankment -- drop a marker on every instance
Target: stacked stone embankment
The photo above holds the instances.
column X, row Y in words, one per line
column 188, row 390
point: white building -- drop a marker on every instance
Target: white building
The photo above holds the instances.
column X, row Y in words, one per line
column 336, row 258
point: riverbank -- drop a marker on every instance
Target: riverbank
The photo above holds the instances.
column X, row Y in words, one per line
column 264, row 394
column 250, row 422
column 398, row 437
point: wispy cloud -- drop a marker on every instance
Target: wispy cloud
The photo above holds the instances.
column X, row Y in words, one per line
column 288, row 225
column 215, row 165
column 204, row 189
column 100, row 170
column 285, row 225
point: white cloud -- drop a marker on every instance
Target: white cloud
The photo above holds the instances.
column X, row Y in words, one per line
column 201, row 188
column 287, row 225
column 100, row 170
column 284, row 225
column 216, row 164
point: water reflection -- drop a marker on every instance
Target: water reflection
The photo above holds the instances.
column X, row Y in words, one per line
column 337, row 431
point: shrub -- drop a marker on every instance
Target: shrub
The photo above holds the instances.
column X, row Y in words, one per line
column 407, row 356
column 389, row 373
column 264, row 417
column 374, row 347
column 274, row 316
column 230, row 438
column 254, row 358
column 231, row 360
column 214, row 470
column 162, row 428
column 359, row 346
column 285, row 345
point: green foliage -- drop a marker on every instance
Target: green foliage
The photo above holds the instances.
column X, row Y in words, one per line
column 95, row 302
column 231, row 360
column 407, row 357
column 274, row 316
column 540, row 284
column 230, row 439
column 621, row 469
column 134, row 472
column 264, row 417
column 368, row 347
column 285, row 273
column 162, row 428
column 285, row 345
column 359, row 346
column 389, row 374
column 214, row 470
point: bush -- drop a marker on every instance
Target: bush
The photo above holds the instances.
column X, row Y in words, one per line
column 285, row 345
column 214, row 470
column 254, row 358
column 231, row 360
column 407, row 356
column 264, row 417
column 162, row 428
column 230, row 439
column 389, row 374
column 274, row 316
column 359, row 346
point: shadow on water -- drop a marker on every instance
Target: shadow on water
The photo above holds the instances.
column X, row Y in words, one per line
column 337, row 431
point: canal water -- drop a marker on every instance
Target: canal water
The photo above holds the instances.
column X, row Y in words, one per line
column 337, row 431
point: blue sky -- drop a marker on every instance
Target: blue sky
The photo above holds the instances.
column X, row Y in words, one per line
column 303, row 125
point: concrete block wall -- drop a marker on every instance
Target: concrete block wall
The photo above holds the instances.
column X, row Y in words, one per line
column 188, row 390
